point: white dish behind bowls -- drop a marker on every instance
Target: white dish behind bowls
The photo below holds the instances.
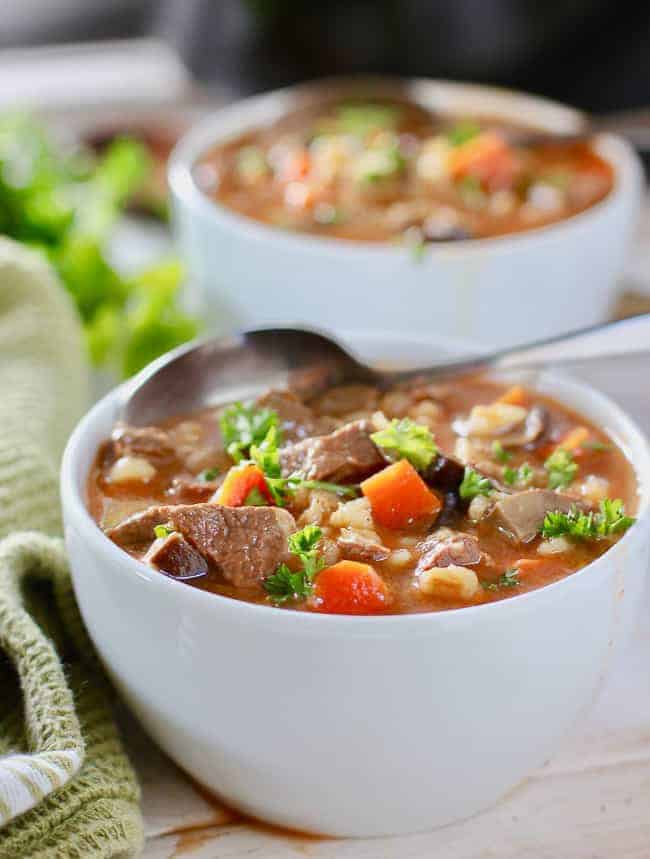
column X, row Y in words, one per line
column 502, row 290
column 356, row 726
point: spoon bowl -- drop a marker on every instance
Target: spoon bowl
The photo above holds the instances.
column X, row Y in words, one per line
column 223, row 369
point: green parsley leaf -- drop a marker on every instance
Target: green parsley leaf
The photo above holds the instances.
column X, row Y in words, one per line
column 162, row 531
column 255, row 499
column 520, row 476
column 474, row 484
column 509, row 579
column 285, row 584
column 208, row 474
column 243, row 426
column 462, row 132
column 500, row 453
column 295, row 481
column 609, row 521
column 363, row 119
column 404, row 439
column 561, row 469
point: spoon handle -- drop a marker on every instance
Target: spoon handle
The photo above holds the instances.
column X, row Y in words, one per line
column 605, row 340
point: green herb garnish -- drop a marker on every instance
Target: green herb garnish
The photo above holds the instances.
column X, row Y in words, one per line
column 462, row 132
column 405, row 439
column 255, row 499
column 518, row 476
column 609, row 521
column 162, row 531
column 596, row 445
column 363, row 119
column 245, row 426
column 474, row 484
column 377, row 164
column 500, row 453
column 64, row 203
column 285, row 584
column 561, row 469
column 509, row 579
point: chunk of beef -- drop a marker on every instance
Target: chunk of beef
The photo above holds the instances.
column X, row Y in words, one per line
column 151, row 443
column 192, row 491
column 244, row 543
column 347, row 453
column 297, row 420
column 360, row 547
column 174, row 555
column 448, row 548
column 522, row 513
column 137, row 529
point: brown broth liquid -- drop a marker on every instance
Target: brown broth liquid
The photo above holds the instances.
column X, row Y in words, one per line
column 110, row 502
column 384, row 210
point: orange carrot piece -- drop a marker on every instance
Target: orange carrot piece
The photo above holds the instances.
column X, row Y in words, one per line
column 240, row 482
column 574, row 439
column 350, row 587
column 514, row 396
column 488, row 158
column 398, row 496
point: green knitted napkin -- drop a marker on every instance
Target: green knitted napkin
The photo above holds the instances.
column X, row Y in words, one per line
column 67, row 788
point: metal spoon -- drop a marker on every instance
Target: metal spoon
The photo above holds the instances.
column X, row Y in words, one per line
column 239, row 366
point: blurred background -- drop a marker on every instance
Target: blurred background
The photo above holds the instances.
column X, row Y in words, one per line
column 76, row 76
column 592, row 53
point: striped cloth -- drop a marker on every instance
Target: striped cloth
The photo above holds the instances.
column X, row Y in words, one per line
column 67, row 789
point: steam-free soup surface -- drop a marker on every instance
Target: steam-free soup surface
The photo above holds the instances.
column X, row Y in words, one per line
column 366, row 502
column 391, row 171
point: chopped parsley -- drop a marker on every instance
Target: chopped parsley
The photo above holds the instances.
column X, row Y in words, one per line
column 162, row 531
column 509, row 579
column 474, row 484
column 561, row 469
column 208, row 474
column 462, row 132
column 404, row 439
column 500, row 453
column 255, row 498
column 607, row 522
column 362, row 119
column 518, row 476
column 243, row 426
column 285, row 584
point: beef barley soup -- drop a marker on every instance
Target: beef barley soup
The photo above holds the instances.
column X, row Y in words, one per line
column 418, row 499
column 385, row 171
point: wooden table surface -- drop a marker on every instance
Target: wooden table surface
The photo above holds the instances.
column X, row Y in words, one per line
column 592, row 801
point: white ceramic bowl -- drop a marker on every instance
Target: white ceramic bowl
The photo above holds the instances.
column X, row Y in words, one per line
column 501, row 290
column 355, row 726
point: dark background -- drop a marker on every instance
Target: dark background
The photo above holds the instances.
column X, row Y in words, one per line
column 592, row 53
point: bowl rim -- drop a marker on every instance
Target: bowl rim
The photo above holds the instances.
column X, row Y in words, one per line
column 75, row 509
column 206, row 133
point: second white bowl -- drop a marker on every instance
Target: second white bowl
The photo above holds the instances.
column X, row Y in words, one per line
column 501, row 291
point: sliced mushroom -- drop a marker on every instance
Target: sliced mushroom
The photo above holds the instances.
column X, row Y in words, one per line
column 533, row 427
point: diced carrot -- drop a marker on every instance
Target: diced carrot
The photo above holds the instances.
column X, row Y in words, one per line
column 574, row 439
column 244, row 484
column 398, row 496
column 514, row 396
column 486, row 157
column 350, row 587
